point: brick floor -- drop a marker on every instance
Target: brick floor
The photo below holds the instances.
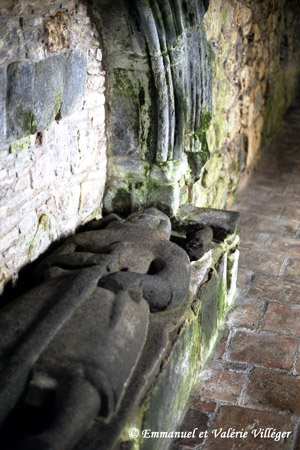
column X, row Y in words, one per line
column 253, row 239
column 292, row 268
column 203, row 405
column 264, row 349
column 247, row 315
column 253, row 381
column 249, row 421
column 289, row 247
column 262, row 261
column 282, row 319
column 222, row 385
column 194, row 420
column 273, row 389
column 275, row 288
column 244, row 277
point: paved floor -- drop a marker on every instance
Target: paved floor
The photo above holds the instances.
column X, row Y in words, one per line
column 252, row 385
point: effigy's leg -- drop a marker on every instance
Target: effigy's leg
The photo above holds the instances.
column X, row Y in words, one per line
column 77, row 404
column 14, row 375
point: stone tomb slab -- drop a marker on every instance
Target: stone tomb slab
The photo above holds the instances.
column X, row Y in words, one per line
column 112, row 336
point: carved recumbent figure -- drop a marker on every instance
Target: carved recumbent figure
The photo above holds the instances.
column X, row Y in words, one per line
column 81, row 330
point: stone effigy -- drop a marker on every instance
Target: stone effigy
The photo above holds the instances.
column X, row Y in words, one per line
column 81, row 330
column 114, row 330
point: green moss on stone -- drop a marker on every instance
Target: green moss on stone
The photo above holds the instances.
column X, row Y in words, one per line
column 20, row 144
column 205, row 121
column 94, row 215
column 278, row 100
column 224, row 14
column 44, row 222
column 164, row 196
column 123, row 85
column 167, row 400
column 57, row 100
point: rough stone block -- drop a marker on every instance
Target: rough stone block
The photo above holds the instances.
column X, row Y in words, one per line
column 124, row 131
column 74, row 83
column 163, row 196
column 218, row 220
column 19, row 100
column 48, row 90
column 203, row 405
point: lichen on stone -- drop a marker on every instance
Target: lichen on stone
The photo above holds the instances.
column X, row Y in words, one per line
column 20, row 144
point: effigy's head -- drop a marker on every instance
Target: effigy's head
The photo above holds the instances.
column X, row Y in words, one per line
column 152, row 218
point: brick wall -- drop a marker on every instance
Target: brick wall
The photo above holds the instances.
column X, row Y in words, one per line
column 52, row 131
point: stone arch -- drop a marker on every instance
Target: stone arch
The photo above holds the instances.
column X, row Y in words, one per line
column 159, row 104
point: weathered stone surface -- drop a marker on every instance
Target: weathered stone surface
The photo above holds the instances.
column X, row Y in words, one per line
column 220, row 221
column 2, row 104
column 209, row 312
column 19, row 100
column 48, row 90
column 161, row 268
column 74, row 82
column 125, row 131
column 168, row 107
column 5, row 277
column 36, row 94
column 172, row 389
column 47, row 165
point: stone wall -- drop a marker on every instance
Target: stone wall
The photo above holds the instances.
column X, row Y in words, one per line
column 193, row 87
column 256, row 51
column 52, row 132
